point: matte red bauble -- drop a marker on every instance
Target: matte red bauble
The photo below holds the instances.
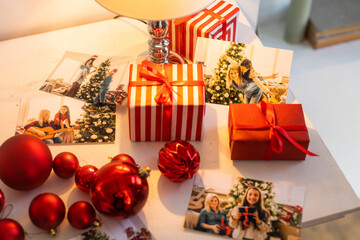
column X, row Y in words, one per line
column 84, row 177
column 47, row 211
column 81, row 215
column 118, row 190
column 2, row 200
column 178, row 161
column 123, row 158
column 25, row 162
column 65, row 165
column 11, row 230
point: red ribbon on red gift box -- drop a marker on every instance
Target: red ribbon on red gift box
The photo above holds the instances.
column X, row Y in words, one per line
column 276, row 143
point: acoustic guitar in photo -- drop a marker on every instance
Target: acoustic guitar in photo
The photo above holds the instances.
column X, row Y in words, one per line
column 49, row 131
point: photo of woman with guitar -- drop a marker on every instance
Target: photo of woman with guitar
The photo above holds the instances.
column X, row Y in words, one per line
column 62, row 120
column 42, row 127
column 48, row 130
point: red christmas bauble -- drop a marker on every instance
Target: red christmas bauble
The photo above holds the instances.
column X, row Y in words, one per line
column 84, row 177
column 2, row 200
column 65, row 165
column 178, row 161
column 25, row 162
column 123, row 158
column 118, row 190
column 81, row 215
column 47, row 211
column 11, row 230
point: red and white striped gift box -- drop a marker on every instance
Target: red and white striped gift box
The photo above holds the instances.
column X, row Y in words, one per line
column 218, row 21
column 181, row 118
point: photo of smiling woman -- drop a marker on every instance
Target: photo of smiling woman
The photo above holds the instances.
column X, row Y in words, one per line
column 212, row 218
column 256, row 229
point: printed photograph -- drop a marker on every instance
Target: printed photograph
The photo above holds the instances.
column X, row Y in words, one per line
column 91, row 78
column 131, row 228
column 242, row 73
column 61, row 120
column 243, row 208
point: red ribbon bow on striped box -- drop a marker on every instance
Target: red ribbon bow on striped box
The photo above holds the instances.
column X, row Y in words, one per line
column 166, row 102
column 217, row 21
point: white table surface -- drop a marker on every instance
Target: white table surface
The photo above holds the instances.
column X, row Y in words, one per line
column 26, row 62
column 326, row 82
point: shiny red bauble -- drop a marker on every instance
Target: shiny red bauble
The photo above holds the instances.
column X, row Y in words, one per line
column 65, row 165
column 81, row 215
column 2, row 200
column 178, row 161
column 25, row 162
column 11, row 230
column 123, row 158
column 84, row 177
column 47, row 211
column 118, row 190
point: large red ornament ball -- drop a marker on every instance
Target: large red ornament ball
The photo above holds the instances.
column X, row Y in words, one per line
column 84, row 177
column 11, row 230
column 81, row 215
column 118, row 190
column 2, row 200
column 65, row 164
column 47, row 211
column 178, row 161
column 25, row 162
column 123, row 158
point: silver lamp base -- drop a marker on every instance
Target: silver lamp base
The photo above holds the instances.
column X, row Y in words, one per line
column 158, row 43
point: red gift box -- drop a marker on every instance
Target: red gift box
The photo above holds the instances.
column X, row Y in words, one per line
column 166, row 102
column 267, row 131
column 217, row 21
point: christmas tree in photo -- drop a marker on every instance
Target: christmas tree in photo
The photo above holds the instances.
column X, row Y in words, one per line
column 90, row 89
column 238, row 191
column 98, row 124
column 216, row 91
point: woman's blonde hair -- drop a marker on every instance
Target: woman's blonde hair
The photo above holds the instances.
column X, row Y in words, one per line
column 210, row 196
column 234, row 67
column 42, row 113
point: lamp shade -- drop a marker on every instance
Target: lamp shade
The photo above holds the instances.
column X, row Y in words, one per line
column 155, row 9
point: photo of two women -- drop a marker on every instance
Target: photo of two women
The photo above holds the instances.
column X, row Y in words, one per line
column 246, row 210
column 243, row 73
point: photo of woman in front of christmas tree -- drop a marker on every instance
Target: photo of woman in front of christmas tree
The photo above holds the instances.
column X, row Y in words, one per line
column 91, row 78
column 48, row 118
column 243, row 208
column 241, row 73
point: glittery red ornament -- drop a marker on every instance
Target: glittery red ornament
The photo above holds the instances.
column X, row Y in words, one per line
column 118, row 190
column 11, row 230
column 84, row 177
column 178, row 160
column 81, row 215
column 2, row 200
column 123, row 158
column 25, row 162
column 47, row 211
column 65, row 165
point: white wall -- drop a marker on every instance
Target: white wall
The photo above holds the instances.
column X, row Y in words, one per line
column 20, row 18
column 25, row 17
